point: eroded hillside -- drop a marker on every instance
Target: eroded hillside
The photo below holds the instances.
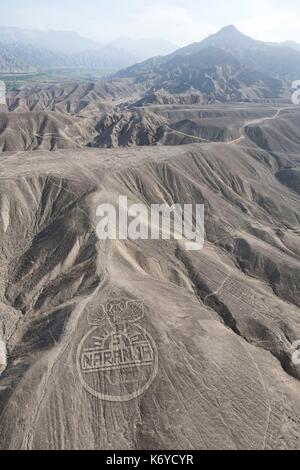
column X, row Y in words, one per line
column 223, row 319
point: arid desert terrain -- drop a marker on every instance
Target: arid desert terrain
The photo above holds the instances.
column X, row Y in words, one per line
column 217, row 327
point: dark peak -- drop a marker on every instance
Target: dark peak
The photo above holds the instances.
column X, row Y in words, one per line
column 228, row 36
column 229, row 32
column 229, row 29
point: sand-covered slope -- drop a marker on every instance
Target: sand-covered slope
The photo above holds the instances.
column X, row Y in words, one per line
column 84, row 99
column 106, row 115
column 222, row 320
column 43, row 130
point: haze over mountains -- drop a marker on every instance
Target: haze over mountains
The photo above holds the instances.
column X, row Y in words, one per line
column 56, row 41
column 226, row 66
column 24, row 50
column 292, row 44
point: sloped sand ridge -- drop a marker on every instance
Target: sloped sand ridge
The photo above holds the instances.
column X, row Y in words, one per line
column 108, row 114
column 223, row 319
column 72, row 98
column 42, row 130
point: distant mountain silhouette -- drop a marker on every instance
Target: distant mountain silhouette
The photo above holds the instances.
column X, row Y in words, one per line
column 23, row 50
column 226, row 65
column 66, row 42
column 292, row 44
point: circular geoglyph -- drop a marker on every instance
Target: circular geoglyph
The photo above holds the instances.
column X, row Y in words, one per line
column 117, row 360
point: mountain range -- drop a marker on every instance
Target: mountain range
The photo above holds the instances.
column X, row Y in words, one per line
column 292, row 44
column 225, row 66
column 24, row 50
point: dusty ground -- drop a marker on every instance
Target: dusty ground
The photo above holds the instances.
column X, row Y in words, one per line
column 111, row 114
column 222, row 320
column 125, row 344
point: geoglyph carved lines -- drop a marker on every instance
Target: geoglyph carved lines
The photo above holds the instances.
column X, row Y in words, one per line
column 117, row 359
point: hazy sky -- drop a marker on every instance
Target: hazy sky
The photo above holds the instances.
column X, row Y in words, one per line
column 180, row 21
